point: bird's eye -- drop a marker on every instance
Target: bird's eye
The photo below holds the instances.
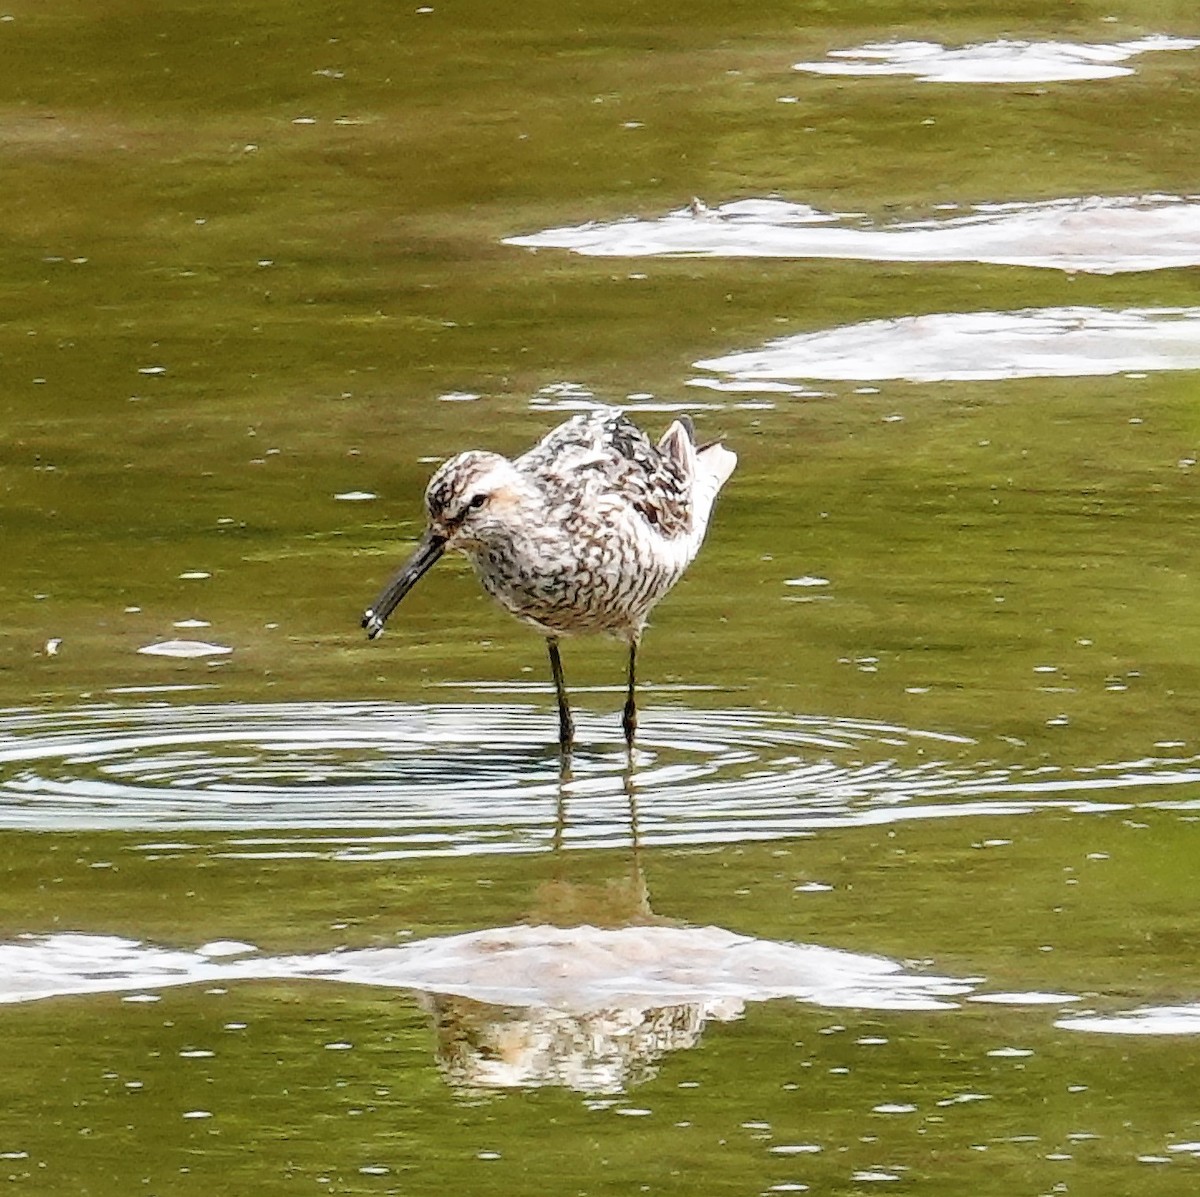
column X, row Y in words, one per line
column 477, row 502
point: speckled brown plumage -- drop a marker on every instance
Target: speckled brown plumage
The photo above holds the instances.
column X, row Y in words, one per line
column 583, row 533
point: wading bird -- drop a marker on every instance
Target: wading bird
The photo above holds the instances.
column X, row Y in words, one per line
column 583, row 533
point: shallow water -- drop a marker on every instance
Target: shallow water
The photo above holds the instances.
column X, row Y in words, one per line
column 897, row 890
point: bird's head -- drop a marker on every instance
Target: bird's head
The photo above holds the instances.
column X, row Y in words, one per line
column 470, row 501
column 471, row 498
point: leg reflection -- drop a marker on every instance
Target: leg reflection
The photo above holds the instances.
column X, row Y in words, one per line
column 577, row 892
column 560, row 806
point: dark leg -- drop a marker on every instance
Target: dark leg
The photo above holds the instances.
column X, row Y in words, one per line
column 629, row 719
column 566, row 727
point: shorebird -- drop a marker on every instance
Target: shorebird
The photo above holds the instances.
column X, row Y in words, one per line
column 584, row 533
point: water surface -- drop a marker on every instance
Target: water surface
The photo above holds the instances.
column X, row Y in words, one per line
column 897, row 891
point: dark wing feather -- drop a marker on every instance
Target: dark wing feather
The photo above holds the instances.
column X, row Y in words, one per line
column 606, row 448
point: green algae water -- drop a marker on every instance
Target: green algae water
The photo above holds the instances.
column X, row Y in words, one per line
column 897, row 893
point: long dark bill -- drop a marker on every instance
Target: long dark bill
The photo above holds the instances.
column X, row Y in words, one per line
column 406, row 577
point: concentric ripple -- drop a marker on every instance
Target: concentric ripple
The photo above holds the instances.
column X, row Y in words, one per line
column 375, row 780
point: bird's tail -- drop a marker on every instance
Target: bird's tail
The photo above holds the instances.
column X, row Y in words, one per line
column 714, row 464
column 716, row 460
column 709, row 466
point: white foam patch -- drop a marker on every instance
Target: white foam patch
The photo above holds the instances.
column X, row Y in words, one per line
column 1002, row 61
column 963, row 346
column 184, row 648
column 1148, row 1020
column 586, row 968
column 1033, row 998
column 584, row 1007
column 1092, row 234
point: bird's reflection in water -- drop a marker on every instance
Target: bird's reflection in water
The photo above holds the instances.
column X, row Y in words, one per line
column 591, row 1048
column 622, row 900
column 608, row 1050
column 589, row 990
